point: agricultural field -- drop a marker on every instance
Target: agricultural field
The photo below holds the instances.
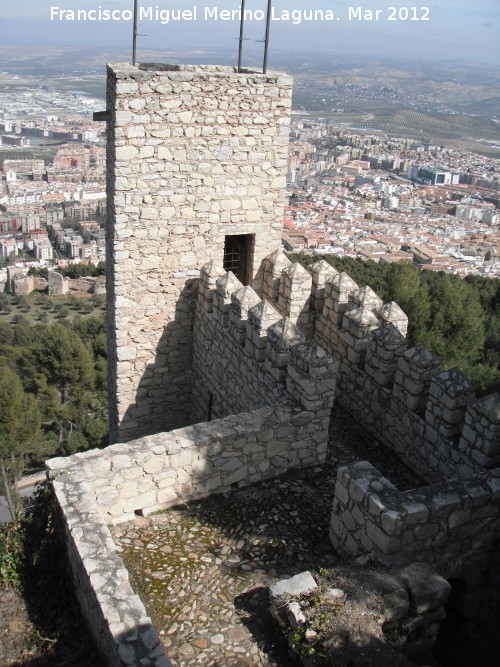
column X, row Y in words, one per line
column 39, row 308
column 469, row 132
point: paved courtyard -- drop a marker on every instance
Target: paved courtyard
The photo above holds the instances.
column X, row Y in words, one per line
column 202, row 569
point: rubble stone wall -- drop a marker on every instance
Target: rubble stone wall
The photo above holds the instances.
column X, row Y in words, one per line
column 430, row 418
column 158, row 471
column 194, row 154
column 115, row 615
column 247, row 356
column 450, row 522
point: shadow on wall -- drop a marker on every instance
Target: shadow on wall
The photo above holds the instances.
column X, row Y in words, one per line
column 163, row 396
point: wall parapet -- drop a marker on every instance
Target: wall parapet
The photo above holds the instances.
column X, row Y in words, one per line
column 448, row 522
column 115, row 615
column 158, row 471
column 431, row 418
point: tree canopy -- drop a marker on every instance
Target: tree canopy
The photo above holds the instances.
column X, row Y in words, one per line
column 457, row 319
column 53, row 397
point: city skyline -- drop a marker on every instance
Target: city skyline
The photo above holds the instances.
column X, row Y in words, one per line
column 443, row 31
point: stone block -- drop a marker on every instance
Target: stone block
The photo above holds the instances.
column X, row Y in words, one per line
column 341, row 493
column 396, row 606
column 300, row 584
column 428, row 590
column 458, row 518
column 358, row 489
column 295, row 615
column 391, row 521
column 141, row 501
column 154, row 465
column 416, row 512
column 236, row 476
column 167, row 495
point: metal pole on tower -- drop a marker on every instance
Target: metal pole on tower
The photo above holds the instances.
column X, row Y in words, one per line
column 266, row 39
column 242, row 21
column 134, row 38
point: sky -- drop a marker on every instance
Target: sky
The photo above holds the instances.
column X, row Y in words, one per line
column 454, row 29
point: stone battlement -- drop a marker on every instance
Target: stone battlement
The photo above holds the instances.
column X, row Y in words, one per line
column 431, row 418
column 256, row 357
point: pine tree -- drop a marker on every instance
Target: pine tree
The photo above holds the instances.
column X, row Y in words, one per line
column 19, row 426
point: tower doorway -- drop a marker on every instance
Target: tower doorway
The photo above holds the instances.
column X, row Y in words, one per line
column 238, row 255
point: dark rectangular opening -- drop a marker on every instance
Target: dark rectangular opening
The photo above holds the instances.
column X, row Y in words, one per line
column 238, row 251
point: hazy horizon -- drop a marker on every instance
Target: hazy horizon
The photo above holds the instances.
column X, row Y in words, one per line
column 455, row 30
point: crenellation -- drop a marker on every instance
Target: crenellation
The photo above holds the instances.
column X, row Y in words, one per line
column 260, row 318
column 386, row 345
column 357, row 324
column 241, row 301
column 273, row 266
column 311, row 376
column 392, row 313
column 280, row 337
column 342, row 288
column 225, row 286
column 449, row 394
column 364, row 298
column 207, row 285
column 416, row 368
column 321, row 273
column 480, row 436
column 294, row 299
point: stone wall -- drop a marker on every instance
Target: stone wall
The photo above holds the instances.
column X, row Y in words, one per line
column 247, row 356
column 158, row 471
column 430, row 418
column 194, row 154
column 115, row 615
column 58, row 284
column 26, row 284
column 443, row 524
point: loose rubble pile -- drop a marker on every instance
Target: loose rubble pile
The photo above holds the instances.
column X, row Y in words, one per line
column 377, row 617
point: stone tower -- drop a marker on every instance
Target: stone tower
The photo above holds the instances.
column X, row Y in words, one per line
column 197, row 158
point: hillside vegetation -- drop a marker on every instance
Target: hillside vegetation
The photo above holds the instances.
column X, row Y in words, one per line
column 53, row 395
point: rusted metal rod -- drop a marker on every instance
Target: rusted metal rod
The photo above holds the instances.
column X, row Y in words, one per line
column 134, row 38
column 240, row 46
column 266, row 39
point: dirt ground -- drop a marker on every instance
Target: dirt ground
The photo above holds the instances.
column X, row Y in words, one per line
column 24, row 644
column 17, row 634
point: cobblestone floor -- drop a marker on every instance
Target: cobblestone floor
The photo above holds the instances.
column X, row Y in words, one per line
column 202, row 569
